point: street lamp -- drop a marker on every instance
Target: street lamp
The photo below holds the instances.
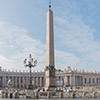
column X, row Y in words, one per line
column 30, row 63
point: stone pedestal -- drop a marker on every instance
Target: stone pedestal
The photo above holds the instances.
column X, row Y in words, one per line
column 50, row 78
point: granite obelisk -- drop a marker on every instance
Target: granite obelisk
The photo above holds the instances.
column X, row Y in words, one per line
column 50, row 62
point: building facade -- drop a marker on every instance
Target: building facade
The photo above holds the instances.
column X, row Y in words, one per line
column 81, row 78
column 66, row 78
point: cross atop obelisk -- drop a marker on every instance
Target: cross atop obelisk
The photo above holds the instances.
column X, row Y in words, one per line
column 50, row 62
column 49, row 4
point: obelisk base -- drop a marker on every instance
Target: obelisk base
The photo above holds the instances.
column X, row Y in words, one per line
column 50, row 78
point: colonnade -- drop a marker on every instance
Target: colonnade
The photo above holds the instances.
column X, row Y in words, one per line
column 81, row 80
column 22, row 81
column 62, row 78
column 91, row 81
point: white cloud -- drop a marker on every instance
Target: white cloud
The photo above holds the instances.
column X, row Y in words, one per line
column 16, row 45
column 78, row 37
column 65, row 59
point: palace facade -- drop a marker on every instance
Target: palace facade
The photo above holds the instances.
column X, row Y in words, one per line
column 63, row 78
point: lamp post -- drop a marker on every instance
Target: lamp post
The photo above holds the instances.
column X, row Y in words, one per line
column 30, row 63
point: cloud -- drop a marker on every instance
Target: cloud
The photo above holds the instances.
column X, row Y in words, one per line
column 65, row 59
column 16, row 45
column 78, row 37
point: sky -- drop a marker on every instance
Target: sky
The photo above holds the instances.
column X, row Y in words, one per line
column 76, row 33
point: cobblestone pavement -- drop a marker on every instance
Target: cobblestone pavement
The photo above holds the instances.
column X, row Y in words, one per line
column 53, row 99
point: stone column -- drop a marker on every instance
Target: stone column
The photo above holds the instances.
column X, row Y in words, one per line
column 5, row 81
column 73, row 80
column 23, row 81
column 2, row 81
column 19, row 81
column 62, row 81
column 76, row 81
column 83, row 80
column 12, row 81
column 34, row 81
column 27, row 81
column 16, row 82
column 37, row 81
column 66, row 80
column 40, row 82
column 71, row 83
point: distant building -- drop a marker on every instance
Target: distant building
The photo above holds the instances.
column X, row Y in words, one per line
column 68, row 77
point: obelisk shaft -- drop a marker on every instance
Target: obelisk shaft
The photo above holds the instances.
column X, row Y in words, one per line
column 50, row 40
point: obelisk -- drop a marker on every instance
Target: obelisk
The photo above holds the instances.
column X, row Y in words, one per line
column 50, row 63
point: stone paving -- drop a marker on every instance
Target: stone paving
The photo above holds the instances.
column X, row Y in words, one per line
column 52, row 99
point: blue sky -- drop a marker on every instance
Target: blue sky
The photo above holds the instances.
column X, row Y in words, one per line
column 76, row 31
